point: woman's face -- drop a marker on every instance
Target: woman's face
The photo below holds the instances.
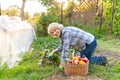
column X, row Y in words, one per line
column 56, row 33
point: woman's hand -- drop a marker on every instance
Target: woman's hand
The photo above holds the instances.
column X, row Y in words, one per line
column 54, row 51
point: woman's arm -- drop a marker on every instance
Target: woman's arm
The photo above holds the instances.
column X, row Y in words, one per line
column 65, row 45
column 59, row 49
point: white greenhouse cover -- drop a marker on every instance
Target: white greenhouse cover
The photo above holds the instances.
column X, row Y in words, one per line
column 16, row 37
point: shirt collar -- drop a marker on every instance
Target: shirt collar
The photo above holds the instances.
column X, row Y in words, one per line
column 60, row 34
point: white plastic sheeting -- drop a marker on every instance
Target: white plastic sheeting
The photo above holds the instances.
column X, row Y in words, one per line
column 16, row 37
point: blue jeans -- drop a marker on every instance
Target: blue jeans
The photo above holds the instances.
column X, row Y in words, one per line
column 89, row 50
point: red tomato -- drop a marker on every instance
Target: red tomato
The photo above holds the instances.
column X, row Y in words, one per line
column 85, row 60
column 71, row 61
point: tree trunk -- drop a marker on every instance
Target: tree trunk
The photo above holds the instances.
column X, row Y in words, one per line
column 101, row 15
column 96, row 6
column 111, row 22
column 61, row 20
column 22, row 10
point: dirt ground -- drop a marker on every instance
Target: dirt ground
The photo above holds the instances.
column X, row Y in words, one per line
column 60, row 76
column 111, row 56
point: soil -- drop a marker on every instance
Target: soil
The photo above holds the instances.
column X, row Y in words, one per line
column 60, row 76
column 111, row 56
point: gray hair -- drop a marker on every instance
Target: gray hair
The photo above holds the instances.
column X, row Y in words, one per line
column 54, row 26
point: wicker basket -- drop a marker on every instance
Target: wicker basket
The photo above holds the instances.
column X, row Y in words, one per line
column 80, row 69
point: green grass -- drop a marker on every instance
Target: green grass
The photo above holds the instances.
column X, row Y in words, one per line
column 110, row 45
column 106, row 72
column 30, row 71
column 28, row 68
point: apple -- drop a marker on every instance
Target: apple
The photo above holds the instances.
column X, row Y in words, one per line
column 76, row 61
column 85, row 60
column 70, row 61
column 79, row 58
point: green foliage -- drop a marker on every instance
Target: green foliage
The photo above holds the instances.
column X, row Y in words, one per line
column 68, row 13
column 12, row 11
column 98, row 33
column 106, row 73
column 28, row 72
column 108, row 16
column 45, row 43
column 45, row 20
column 109, row 45
column 52, row 15
column 26, row 16
column 42, row 25
column 116, row 28
column 48, row 3
column 28, row 68
column 55, row 58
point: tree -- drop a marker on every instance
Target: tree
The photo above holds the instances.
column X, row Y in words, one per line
column 68, row 11
column 52, row 15
column 13, row 10
column 111, row 22
column 22, row 9
column 48, row 3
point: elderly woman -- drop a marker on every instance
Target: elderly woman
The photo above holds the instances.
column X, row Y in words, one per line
column 77, row 39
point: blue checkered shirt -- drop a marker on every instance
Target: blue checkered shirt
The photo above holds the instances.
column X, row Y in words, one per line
column 73, row 38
